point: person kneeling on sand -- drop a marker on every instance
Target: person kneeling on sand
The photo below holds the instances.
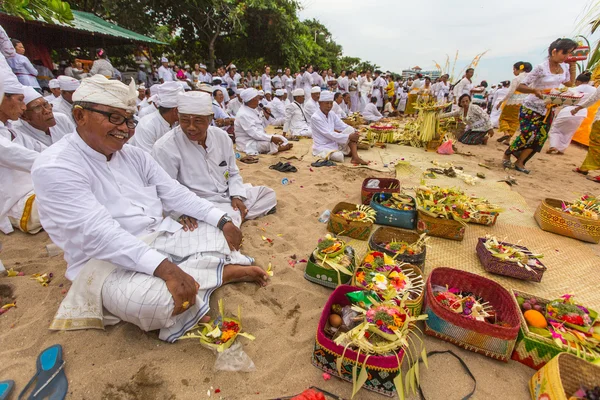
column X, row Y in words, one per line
column 103, row 203
column 250, row 135
column 332, row 138
column 201, row 158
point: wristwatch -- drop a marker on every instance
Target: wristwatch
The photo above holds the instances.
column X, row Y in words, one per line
column 224, row 219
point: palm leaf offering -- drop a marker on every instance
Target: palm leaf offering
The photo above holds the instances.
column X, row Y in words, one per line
column 511, row 253
column 361, row 214
column 332, row 253
column 400, row 247
column 452, row 203
column 587, row 206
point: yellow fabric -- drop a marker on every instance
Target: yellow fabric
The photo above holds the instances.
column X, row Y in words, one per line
column 390, row 89
column 410, row 106
column 509, row 119
column 582, row 135
column 30, row 219
column 592, row 160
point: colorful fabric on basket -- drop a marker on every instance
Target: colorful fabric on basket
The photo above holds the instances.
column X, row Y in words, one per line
column 552, row 220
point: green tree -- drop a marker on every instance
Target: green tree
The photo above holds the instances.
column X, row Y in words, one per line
column 48, row 10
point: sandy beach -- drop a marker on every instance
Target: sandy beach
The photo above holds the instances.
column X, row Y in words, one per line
column 123, row 362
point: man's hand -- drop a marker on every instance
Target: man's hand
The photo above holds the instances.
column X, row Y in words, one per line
column 354, row 137
column 575, row 110
column 182, row 286
column 498, row 106
column 238, row 204
column 233, row 235
column 490, row 133
column 189, row 223
column 538, row 93
column 276, row 141
column 219, row 122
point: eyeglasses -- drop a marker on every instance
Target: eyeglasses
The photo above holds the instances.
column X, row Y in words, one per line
column 40, row 108
column 115, row 118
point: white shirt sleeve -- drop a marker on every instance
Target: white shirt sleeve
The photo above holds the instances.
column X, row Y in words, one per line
column 15, row 156
column 249, row 129
column 591, row 100
column 322, row 127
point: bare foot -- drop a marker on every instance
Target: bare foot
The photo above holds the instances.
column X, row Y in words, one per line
column 204, row 319
column 359, row 161
column 285, row 147
column 244, row 273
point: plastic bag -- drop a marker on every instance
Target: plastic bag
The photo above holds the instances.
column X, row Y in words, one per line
column 372, row 184
column 446, row 148
column 234, row 359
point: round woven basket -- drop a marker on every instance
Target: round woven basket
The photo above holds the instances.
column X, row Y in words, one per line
column 383, row 236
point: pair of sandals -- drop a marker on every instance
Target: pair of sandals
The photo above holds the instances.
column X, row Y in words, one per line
column 509, row 165
column 585, row 173
column 249, row 160
column 323, row 163
column 50, row 379
column 283, row 167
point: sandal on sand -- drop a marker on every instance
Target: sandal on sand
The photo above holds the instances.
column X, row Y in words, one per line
column 507, row 164
column 503, row 138
column 580, row 171
column 523, row 170
column 323, row 163
column 276, row 166
column 594, row 178
column 287, row 167
column 50, row 380
column 249, row 160
column 5, row 388
column 552, row 150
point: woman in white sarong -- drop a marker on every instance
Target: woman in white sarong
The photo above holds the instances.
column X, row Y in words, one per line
column 353, row 89
column 366, row 88
column 498, row 98
column 565, row 124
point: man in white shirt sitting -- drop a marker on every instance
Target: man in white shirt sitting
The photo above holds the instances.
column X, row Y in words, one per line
column 296, row 121
column 39, row 122
column 250, row 123
column 337, row 108
column 54, row 87
column 277, row 108
column 64, row 104
column 201, row 158
column 371, row 113
column 311, row 105
column 332, row 138
column 235, row 103
column 153, row 126
column 103, row 203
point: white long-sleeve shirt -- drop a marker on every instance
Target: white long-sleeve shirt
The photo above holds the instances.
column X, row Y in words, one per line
column 16, row 158
column 96, row 209
column 338, row 110
column 462, row 87
column 296, row 121
column 476, row 120
column 326, row 132
column 150, row 128
column 61, row 106
column 371, row 113
column 165, row 74
column 265, row 82
column 211, row 173
column 277, row 109
column 233, row 106
column 310, row 107
column 591, row 100
column 250, row 128
column 307, row 82
column 62, row 128
column 24, row 70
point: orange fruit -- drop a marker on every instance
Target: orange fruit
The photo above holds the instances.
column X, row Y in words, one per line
column 535, row 318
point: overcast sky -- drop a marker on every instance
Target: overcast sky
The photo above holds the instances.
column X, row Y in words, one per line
column 398, row 34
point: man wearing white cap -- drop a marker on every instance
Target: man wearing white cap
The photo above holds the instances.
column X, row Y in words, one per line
column 54, row 87
column 250, row 135
column 39, row 122
column 311, row 105
column 153, row 126
column 261, row 99
column 277, row 83
column 204, row 76
column 296, row 122
column 235, row 103
column 164, row 72
column 104, row 203
column 148, row 106
column 277, row 108
column 337, row 108
column 18, row 206
column 64, row 104
column 332, row 138
column 201, row 157
column 232, row 78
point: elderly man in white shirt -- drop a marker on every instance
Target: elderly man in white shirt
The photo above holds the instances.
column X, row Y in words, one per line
column 337, row 107
column 204, row 76
column 103, row 203
column 311, row 104
column 39, row 122
column 296, row 122
column 153, row 126
column 250, row 123
column 18, row 205
column 64, row 104
column 54, row 87
column 201, row 158
column 277, row 108
column 332, row 138
column 371, row 113
column 164, row 72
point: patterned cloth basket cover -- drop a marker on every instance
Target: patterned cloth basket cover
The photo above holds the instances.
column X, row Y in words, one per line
column 485, row 218
column 382, row 235
column 325, row 276
column 562, row 99
column 386, row 185
column 553, row 220
column 388, row 216
column 440, row 227
column 342, row 227
column 532, row 349
column 562, row 377
column 481, row 337
column 382, row 370
column 496, row 266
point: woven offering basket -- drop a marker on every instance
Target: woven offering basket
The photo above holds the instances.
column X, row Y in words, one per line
column 551, row 219
column 386, row 185
column 485, row 218
column 562, row 99
column 406, row 219
column 532, row 349
column 497, row 266
column 340, row 226
column 324, row 275
column 440, row 227
column 381, row 369
column 481, row 337
column 562, row 377
column 382, row 236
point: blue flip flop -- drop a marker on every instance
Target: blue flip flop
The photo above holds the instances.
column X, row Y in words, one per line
column 50, row 379
column 5, row 388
